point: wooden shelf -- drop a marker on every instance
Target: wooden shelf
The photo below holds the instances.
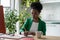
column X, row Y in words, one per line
column 49, row 1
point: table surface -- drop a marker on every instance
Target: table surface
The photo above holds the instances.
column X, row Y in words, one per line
column 43, row 38
column 48, row 38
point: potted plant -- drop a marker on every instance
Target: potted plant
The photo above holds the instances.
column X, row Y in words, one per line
column 10, row 20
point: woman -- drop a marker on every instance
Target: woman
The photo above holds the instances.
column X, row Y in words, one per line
column 35, row 23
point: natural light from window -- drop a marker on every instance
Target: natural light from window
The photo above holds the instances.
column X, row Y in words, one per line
column 5, row 3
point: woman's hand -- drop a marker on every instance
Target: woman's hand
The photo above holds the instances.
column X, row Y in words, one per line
column 26, row 33
column 31, row 33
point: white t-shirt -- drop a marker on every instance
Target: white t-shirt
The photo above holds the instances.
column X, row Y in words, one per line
column 34, row 27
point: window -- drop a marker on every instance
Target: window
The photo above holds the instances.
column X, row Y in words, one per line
column 6, row 4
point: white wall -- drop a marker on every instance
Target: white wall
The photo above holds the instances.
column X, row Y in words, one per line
column 53, row 30
column 49, row 1
column 51, row 11
column 17, row 6
column 12, row 4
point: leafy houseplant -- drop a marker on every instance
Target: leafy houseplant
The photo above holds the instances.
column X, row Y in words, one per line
column 23, row 16
column 10, row 20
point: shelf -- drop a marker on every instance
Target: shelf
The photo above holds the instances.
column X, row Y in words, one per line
column 49, row 1
column 52, row 21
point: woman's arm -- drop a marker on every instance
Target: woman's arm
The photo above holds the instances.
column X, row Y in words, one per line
column 44, row 28
column 23, row 28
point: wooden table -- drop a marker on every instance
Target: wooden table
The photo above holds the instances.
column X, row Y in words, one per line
column 48, row 38
column 43, row 38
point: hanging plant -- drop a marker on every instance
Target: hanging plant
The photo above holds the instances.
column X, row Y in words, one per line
column 23, row 16
column 28, row 2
